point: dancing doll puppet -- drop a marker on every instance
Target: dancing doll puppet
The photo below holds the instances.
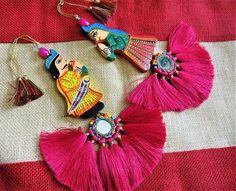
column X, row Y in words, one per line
column 137, row 49
column 73, row 83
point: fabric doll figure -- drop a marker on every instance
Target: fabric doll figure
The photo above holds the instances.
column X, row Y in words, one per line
column 138, row 50
column 74, row 84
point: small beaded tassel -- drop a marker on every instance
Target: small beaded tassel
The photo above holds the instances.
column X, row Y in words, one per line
column 101, row 9
column 102, row 14
column 107, row 4
column 25, row 90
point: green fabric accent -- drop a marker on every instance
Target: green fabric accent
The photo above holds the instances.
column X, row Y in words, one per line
column 117, row 42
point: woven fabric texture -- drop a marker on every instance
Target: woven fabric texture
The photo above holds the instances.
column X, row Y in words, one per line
column 41, row 20
column 185, row 166
column 211, row 125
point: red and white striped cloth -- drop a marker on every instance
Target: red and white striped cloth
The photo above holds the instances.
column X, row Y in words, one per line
column 200, row 149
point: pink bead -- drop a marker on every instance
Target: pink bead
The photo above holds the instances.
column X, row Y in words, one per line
column 170, row 74
column 95, row 138
column 43, row 52
column 164, row 73
column 110, row 139
column 117, row 120
column 83, row 22
column 118, row 128
column 115, row 135
column 102, row 141
column 157, row 70
column 90, row 132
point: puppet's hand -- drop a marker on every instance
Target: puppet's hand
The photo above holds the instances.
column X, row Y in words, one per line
column 107, row 52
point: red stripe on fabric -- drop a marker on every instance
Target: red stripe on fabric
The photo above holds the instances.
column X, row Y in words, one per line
column 211, row 169
column 212, row 20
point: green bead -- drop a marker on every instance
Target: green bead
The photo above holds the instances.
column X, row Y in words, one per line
column 84, row 70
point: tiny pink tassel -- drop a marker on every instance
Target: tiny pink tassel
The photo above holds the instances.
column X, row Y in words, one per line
column 146, row 93
column 25, row 91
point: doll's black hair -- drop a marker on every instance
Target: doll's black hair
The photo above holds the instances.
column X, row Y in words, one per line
column 53, row 69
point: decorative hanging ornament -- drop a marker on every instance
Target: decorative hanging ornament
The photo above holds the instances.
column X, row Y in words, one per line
column 128, row 148
column 72, row 79
column 100, row 9
column 137, row 49
column 73, row 82
column 182, row 77
column 25, row 90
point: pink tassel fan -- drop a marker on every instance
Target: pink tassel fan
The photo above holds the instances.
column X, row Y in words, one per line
column 182, row 77
column 129, row 148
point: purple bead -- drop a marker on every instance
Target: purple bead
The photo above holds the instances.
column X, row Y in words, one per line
column 43, row 52
column 83, row 22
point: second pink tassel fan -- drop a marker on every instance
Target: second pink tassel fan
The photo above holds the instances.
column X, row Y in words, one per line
column 181, row 78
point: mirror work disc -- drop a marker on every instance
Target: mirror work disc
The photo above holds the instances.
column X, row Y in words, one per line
column 105, row 129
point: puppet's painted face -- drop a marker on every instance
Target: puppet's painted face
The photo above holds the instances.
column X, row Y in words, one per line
column 98, row 35
column 64, row 65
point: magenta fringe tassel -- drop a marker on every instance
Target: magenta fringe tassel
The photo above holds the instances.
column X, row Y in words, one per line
column 188, row 86
column 118, row 167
